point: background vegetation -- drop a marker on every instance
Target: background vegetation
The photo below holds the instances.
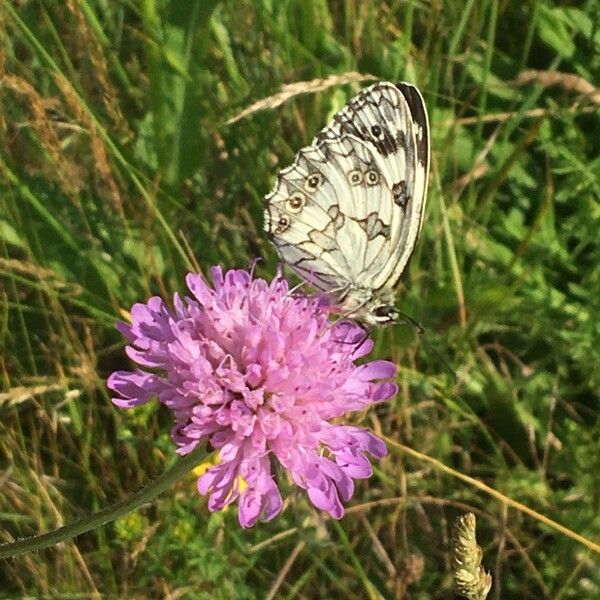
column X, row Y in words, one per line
column 119, row 174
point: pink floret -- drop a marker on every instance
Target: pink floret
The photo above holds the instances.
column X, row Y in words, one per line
column 259, row 373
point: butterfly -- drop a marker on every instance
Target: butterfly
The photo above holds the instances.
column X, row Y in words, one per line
column 346, row 214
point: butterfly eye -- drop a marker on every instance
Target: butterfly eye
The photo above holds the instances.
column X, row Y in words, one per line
column 295, row 203
column 355, row 177
column 372, row 177
column 313, row 182
column 283, row 223
column 376, row 131
column 385, row 312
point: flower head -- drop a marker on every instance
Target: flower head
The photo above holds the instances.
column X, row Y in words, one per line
column 259, row 373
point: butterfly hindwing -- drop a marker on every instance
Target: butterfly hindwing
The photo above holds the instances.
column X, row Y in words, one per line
column 346, row 214
column 324, row 213
column 302, row 224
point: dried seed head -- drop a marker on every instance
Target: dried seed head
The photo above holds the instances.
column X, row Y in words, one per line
column 470, row 578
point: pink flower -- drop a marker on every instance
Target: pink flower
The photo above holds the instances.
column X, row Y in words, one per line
column 259, row 373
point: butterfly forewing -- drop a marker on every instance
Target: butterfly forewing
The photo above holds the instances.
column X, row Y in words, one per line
column 346, row 214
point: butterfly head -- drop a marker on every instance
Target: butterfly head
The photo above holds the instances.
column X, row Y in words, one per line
column 378, row 314
column 373, row 308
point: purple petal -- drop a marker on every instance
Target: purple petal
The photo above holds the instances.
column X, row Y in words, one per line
column 125, row 329
column 363, row 349
column 218, row 478
column 341, row 437
column 377, row 369
column 384, row 392
column 180, row 311
column 249, row 508
column 216, row 274
column 199, row 288
column 186, row 448
column 237, row 278
column 262, row 498
column 375, row 446
column 327, row 501
column 273, row 503
column 354, row 464
column 222, row 497
column 151, row 320
column 136, row 387
column 341, row 478
column 145, row 358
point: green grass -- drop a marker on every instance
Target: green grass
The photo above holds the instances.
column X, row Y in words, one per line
column 119, row 174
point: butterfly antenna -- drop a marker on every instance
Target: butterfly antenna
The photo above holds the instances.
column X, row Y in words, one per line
column 253, row 264
column 421, row 332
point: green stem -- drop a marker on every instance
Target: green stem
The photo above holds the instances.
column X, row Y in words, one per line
column 116, row 153
column 370, row 589
column 440, row 466
column 165, row 481
column 107, row 45
column 153, row 41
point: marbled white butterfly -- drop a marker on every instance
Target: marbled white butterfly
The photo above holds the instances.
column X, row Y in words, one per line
column 347, row 213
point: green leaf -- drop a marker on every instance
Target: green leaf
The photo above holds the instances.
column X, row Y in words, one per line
column 553, row 30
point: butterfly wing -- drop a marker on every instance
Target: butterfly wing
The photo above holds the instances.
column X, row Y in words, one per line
column 347, row 212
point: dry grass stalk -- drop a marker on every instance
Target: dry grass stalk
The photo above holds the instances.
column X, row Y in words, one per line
column 96, row 143
column 3, row 40
column 47, row 276
column 506, row 116
column 91, row 49
column 61, row 170
column 568, row 81
column 411, row 572
column 290, row 90
column 22, row 393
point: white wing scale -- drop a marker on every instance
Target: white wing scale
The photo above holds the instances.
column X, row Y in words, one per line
column 346, row 214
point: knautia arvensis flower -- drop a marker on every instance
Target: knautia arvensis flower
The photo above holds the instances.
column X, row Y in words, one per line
column 260, row 374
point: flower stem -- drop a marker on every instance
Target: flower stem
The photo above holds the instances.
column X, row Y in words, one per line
column 440, row 466
column 143, row 496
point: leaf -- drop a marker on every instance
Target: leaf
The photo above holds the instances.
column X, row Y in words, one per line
column 553, row 31
column 10, row 235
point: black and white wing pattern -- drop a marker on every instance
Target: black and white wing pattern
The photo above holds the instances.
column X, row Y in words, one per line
column 347, row 213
